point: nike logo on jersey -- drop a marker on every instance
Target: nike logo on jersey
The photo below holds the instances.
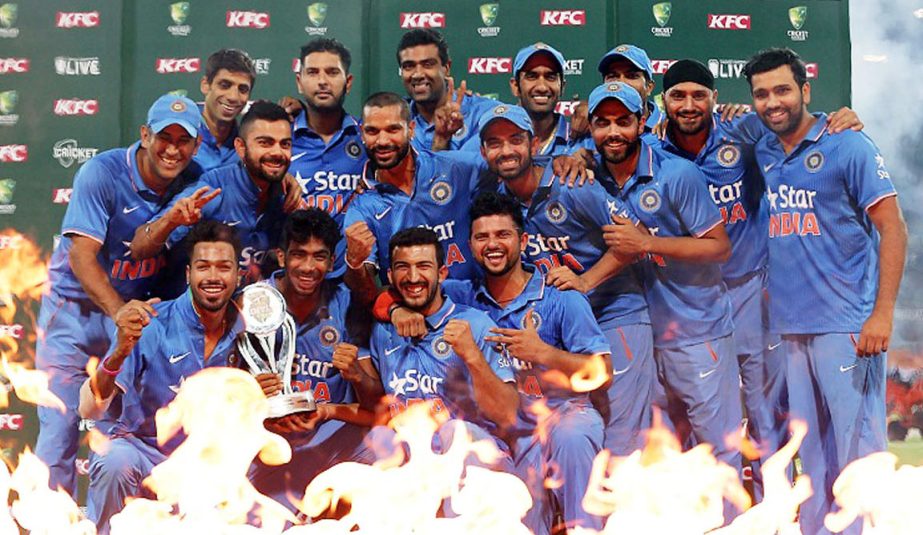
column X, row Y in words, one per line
column 773, row 346
column 128, row 210
column 232, row 223
column 768, row 166
column 296, row 156
column 845, row 369
column 176, row 358
column 392, row 350
column 620, row 372
column 703, row 375
column 382, row 214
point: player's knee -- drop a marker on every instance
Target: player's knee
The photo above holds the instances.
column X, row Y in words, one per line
column 121, row 465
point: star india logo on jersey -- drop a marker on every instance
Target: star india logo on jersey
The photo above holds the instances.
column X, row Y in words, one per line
column 8, row 16
column 489, row 13
column 797, row 16
column 317, row 14
column 179, row 12
column 8, row 101
column 662, row 13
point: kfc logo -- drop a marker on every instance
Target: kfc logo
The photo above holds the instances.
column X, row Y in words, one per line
column 67, row 106
column 422, row 20
column 567, row 17
column 177, row 65
column 660, row 66
column 728, row 22
column 61, row 195
column 811, row 69
column 14, row 153
column 11, row 422
column 82, row 466
column 296, row 65
column 566, row 107
column 13, row 65
column 247, row 19
column 86, row 19
column 11, row 331
column 490, row 65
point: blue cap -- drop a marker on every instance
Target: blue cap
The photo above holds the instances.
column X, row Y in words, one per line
column 622, row 92
column 524, row 54
column 172, row 109
column 636, row 55
column 514, row 114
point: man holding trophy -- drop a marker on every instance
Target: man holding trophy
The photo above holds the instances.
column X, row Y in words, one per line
column 306, row 359
column 157, row 346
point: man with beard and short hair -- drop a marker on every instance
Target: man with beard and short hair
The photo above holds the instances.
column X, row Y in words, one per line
column 689, row 307
column 327, row 151
column 423, row 60
column 226, row 85
column 327, row 362
column 90, row 275
column 837, row 245
column 246, row 195
column 407, row 188
column 565, row 240
column 156, row 347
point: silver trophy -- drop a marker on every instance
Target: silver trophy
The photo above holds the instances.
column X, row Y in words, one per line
column 263, row 310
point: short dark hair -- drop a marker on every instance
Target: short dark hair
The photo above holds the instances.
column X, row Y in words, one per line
column 491, row 203
column 327, row 44
column 417, row 236
column 230, row 59
column 424, row 36
column 262, row 109
column 302, row 225
column 771, row 59
column 213, row 231
column 384, row 99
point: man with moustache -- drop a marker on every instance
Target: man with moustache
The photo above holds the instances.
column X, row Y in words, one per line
column 246, row 195
column 684, row 245
column 91, row 276
column 423, row 60
column 565, row 240
column 158, row 345
column 226, row 85
column 837, row 245
column 327, row 152
column 327, row 362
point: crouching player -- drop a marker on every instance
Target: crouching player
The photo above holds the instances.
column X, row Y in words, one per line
column 326, row 362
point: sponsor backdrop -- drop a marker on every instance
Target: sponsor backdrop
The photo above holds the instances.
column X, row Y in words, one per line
column 77, row 77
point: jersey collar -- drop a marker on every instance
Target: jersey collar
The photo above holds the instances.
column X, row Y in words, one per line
column 813, row 136
column 644, row 172
column 191, row 319
column 138, row 185
column 209, row 140
column 561, row 135
column 422, row 165
column 533, row 291
column 438, row 319
column 301, row 123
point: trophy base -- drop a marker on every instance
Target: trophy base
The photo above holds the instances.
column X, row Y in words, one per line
column 285, row 404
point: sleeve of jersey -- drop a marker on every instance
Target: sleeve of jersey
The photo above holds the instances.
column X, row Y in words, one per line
column 460, row 291
column 746, row 129
column 690, row 199
column 594, row 204
column 579, row 329
column 91, row 203
column 131, row 367
column 375, row 346
column 498, row 361
column 867, row 179
column 356, row 213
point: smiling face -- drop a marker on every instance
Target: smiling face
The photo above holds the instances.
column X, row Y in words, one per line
column 266, row 149
column 226, row 95
column 689, row 107
column 423, row 73
column 506, row 149
column 539, row 84
column 162, row 156
column 496, row 243
column 212, row 275
column 621, row 69
column 416, row 275
column 386, row 135
column 306, row 265
column 323, row 81
column 616, row 131
column 778, row 100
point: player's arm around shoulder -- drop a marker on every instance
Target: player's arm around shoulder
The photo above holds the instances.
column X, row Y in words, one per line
column 689, row 196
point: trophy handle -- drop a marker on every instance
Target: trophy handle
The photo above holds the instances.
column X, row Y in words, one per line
column 249, row 354
column 287, row 352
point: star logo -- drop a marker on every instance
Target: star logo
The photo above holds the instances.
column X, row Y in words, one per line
column 396, row 384
column 772, row 196
column 880, row 160
column 303, row 182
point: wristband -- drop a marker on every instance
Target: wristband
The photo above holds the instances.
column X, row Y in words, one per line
column 107, row 371
column 350, row 266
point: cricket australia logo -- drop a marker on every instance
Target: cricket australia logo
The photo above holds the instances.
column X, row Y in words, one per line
column 441, row 348
column 556, row 212
column 650, row 201
column 441, row 193
column 728, row 155
column 329, row 335
column 814, row 161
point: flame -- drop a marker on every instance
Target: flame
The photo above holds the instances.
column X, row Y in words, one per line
column 39, row 509
column 591, row 376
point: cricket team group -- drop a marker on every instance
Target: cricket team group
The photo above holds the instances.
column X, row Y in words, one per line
column 721, row 271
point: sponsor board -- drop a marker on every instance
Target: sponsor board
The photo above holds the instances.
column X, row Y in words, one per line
column 179, row 12
column 662, row 12
column 14, row 153
column 262, row 65
column 562, row 17
column 76, row 19
column 68, row 66
column 14, row 65
column 8, row 15
column 12, row 331
column 61, row 195
column 177, row 65
column 728, row 22
column 68, row 153
column 797, row 17
column 317, row 15
column 489, row 14
column 566, row 107
column 726, row 68
column 7, row 188
column 422, row 20
column 73, row 106
column 660, row 66
column 247, row 19
column 492, row 65
column 573, row 67
column 8, row 102
column 11, row 422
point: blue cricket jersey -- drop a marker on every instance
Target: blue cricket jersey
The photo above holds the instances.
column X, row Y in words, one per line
column 472, row 108
column 823, row 248
column 316, row 339
column 171, row 348
column 108, row 203
column 443, row 189
column 563, row 319
column 328, row 172
column 564, row 225
column 238, row 205
column 736, row 187
column 688, row 301
column 427, row 369
column 211, row 155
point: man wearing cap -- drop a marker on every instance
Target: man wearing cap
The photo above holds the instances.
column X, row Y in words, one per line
column 685, row 245
column 226, row 85
column 246, row 195
column 91, row 274
column 837, row 245
column 565, row 240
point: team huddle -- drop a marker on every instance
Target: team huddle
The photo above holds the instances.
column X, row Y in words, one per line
column 719, row 268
